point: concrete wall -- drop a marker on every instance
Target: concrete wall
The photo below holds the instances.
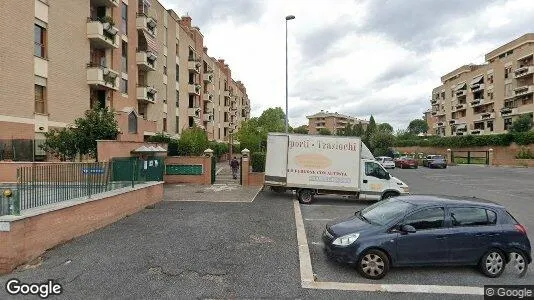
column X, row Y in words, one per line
column 31, row 234
column 502, row 155
column 204, row 178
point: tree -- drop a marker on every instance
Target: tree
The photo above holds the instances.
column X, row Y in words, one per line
column 61, row 143
column 301, row 129
column 381, row 142
column 193, row 141
column 522, row 124
column 404, row 134
column 385, row 127
column 97, row 124
column 357, row 130
column 273, row 120
column 324, row 131
column 371, row 128
column 253, row 133
column 418, row 126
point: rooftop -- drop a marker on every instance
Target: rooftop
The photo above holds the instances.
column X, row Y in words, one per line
column 326, row 114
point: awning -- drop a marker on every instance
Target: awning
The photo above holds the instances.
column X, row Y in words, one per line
column 149, row 149
column 461, row 86
column 477, row 79
column 151, row 43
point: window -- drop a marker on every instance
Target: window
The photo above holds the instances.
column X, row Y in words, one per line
column 490, row 125
column 39, row 41
column 165, row 36
column 374, row 170
column 164, row 124
column 177, row 98
column 40, row 99
column 507, row 71
column 124, row 86
column 385, row 211
column 124, row 18
column 490, row 78
column 164, row 70
column 508, row 90
column 490, row 95
column 166, row 93
column 430, row 218
column 124, row 57
column 507, row 123
column 177, row 73
column 472, row 216
column 177, row 124
column 132, row 123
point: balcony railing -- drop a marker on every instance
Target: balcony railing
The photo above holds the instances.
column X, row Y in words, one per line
column 146, row 60
column 524, row 90
column 207, row 97
column 146, row 94
column 523, row 71
column 461, row 93
column 486, row 116
column 194, row 65
column 477, row 87
column 102, row 77
column 194, row 89
column 208, row 77
column 102, row 34
column 146, row 23
column 106, row 3
column 476, row 102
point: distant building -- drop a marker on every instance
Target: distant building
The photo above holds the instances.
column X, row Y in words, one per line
column 331, row 121
column 430, row 120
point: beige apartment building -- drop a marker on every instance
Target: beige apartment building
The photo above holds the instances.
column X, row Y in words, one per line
column 134, row 56
column 487, row 98
column 331, row 121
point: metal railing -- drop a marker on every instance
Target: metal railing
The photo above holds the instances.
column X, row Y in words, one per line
column 52, row 183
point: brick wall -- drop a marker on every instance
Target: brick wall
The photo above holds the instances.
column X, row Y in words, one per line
column 205, row 178
column 30, row 237
column 250, row 178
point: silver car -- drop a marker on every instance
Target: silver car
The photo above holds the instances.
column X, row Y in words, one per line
column 386, row 162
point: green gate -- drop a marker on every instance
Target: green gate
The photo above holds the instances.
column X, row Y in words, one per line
column 137, row 169
column 241, row 171
column 213, row 169
column 470, row 157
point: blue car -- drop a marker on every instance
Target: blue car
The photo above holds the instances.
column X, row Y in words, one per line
column 423, row 230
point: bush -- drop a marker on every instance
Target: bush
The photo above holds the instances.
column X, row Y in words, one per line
column 258, row 161
column 218, row 148
column 524, row 153
column 505, row 139
column 159, row 138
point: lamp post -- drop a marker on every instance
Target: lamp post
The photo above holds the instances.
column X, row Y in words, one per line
column 290, row 17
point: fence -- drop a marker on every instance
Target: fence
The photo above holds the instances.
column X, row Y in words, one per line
column 22, row 150
column 42, row 185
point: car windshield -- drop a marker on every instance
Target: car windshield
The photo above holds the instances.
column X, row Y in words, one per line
column 437, row 157
column 388, row 159
column 385, row 211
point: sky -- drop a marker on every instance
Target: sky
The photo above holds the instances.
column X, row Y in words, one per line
column 356, row 57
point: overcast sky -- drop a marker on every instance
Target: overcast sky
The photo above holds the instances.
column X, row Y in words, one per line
column 379, row 57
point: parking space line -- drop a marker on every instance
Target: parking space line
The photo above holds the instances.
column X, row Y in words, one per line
column 308, row 279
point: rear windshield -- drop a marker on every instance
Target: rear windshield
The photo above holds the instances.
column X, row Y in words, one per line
column 437, row 157
column 388, row 159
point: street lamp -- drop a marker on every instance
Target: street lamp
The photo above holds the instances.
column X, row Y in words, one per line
column 290, row 17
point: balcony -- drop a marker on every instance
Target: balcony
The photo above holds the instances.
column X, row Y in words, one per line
column 102, row 35
column 102, row 77
column 209, row 106
column 146, row 23
column 524, row 90
column 476, row 102
column 476, row 131
column 509, row 111
column 146, row 60
column 440, row 113
column 208, row 77
column 194, row 89
column 486, row 116
column 452, row 122
column 461, row 106
column 194, row 112
column 226, row 93
column 207, row 117
column 207, row 97
column 146, row 94
column 433, row 101
column 461, row 93
column 106, row 3
column 477, row 87
column 194, row 65
column 523, row 71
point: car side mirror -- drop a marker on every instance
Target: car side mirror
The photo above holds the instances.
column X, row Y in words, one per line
column 408, row 229
column 388, row 177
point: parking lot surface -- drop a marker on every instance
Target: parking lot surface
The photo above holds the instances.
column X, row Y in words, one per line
column 509, row 186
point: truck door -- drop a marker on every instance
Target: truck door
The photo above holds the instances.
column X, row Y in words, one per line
column 374, row 180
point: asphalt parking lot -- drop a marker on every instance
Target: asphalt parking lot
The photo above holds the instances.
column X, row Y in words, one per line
column 509, row 186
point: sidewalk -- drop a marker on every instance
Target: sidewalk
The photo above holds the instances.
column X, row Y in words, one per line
column 224, row 175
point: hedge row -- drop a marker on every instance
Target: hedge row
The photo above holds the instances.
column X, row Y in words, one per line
column 505, row 139
column 258, row 161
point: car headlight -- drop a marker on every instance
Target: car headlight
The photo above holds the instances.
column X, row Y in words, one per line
column 346, row 239
column 405, row 189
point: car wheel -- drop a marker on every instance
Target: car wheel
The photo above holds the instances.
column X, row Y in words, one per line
column 305, row 196
column 492, row 263
column 518, row 262
column 373, row 264
column 387, row 195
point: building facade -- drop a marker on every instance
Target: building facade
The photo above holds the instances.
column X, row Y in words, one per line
column 331, row 121
column 134, row 56
column 487, row 98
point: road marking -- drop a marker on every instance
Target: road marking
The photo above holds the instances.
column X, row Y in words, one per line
column 219, row 171
column 308, row 280
column 254, row 198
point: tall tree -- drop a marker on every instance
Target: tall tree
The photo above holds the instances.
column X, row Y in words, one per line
column 253, row 133
column 522, row 124
column 417, row 126
column 385, row 127
column 381, row 142
column 358, row 130
column 371, row 128
column 301, row 129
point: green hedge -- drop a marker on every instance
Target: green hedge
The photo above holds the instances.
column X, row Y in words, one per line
column 505, row 139
column 258, row 161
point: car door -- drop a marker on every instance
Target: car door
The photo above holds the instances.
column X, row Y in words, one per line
column 428, row 245
column 373, row 181
column 473, row 230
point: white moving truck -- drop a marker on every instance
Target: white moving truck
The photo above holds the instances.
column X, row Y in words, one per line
column 317, row 165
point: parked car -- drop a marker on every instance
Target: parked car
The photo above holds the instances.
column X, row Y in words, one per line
column 422, row 230
column 435, row 161
column 386, row 162
column 406, row 162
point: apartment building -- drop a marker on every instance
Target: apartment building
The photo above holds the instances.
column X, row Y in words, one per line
column 134, row 56
column 486, row 98
column 331, row 121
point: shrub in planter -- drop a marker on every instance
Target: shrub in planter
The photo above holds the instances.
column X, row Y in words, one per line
column 258, row 161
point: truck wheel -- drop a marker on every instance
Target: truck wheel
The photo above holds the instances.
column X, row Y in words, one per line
column 305, row 196
column 387, row 195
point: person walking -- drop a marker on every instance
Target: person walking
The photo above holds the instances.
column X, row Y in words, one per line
column 234, row 164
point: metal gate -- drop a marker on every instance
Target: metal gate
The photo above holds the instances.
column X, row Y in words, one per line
column 137, row 169
column 470, row 157
column 213, row 169
column 241, row 171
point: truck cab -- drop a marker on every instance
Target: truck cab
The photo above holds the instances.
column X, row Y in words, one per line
column 377, row 183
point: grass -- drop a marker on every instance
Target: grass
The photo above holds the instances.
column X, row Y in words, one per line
column 474, row 160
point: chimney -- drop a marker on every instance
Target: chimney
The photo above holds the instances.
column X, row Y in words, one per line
column 205, row 50
column 186, row 21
